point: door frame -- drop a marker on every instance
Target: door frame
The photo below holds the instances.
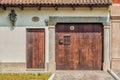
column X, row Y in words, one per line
column 53, row 20
column 34, row 30
column 46, row 50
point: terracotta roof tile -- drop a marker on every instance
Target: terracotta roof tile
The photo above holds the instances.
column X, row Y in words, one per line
column 57, row 2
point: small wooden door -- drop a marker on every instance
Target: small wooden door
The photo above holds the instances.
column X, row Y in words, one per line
column 35, row 48
column 79, row 46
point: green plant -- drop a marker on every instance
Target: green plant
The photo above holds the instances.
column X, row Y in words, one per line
column 24, row 76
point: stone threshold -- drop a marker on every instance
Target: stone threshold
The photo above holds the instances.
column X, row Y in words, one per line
column 32, row 69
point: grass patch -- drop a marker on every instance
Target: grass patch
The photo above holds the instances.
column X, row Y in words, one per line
column 24, row 76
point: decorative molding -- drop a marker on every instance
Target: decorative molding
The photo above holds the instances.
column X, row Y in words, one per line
column 106, row 27
column 115, row 17
column 53, row 20
column 35, row 19
column 115, row 20
column 106, row 23
column 51, row 24
column 51, row 27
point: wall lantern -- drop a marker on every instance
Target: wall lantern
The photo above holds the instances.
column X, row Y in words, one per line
column 46, row 22
column 12, row 17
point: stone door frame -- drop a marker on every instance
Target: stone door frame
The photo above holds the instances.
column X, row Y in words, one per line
column 106, row 37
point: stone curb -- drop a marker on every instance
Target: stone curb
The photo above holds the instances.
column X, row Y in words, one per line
column 52, row 77
column 114, row 75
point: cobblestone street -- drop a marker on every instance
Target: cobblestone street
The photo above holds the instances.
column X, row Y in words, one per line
column 82, row 75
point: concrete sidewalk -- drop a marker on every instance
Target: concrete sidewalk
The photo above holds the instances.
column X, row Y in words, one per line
column 82, row 75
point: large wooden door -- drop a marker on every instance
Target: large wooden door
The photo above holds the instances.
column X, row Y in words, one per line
column 79, row 46
column 35, row 48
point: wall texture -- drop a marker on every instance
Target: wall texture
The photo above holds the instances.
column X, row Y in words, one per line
column 115, row 36
column 13, row 43
column 24, row 17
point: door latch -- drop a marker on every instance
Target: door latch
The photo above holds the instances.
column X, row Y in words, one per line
column 61, row 41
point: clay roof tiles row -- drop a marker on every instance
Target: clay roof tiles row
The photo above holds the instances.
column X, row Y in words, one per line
column 56, row 2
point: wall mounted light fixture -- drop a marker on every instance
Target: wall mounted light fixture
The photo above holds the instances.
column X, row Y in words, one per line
column 13, row 18
column 46, row 22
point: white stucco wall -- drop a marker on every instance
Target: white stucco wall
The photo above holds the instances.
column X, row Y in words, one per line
column 13, row 43
column 24, row 18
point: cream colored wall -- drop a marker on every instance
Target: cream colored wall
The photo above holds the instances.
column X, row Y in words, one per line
column 115, row 10
column 115, row 45
column 115, row 37
column 24, row 18
column 13, row 43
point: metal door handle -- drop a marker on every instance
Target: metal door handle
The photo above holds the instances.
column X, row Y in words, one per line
column 61, row 41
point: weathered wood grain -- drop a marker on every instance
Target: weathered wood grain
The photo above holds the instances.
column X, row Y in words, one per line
column 35, row 48
column 85, row 49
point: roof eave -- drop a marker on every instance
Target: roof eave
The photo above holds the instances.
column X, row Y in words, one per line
column 52, row 5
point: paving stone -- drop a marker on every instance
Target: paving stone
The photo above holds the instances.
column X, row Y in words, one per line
column 82, row 75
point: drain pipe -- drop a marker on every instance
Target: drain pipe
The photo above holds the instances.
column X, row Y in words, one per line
column 114, row 75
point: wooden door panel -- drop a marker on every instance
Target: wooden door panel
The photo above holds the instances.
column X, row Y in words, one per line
column 91, row 55
column 81, row 50
column 29, row 49
column 98, row 50
column 71, row 53
column 41, row 55
column 60, row 56
column 87, row 61
column 84, row 51
column 35, row 50
column 74, row 51
column 35, row 53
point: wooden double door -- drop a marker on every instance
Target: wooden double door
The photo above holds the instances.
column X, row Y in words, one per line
column 35, row 39
column 79, row 46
